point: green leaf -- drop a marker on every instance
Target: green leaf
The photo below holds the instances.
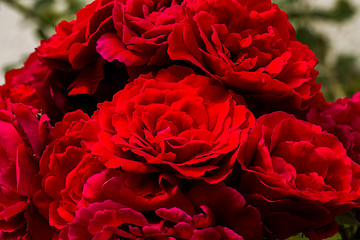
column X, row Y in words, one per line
column 302, row 237
column 298, row 237
column 342, row 10
column 348, row 218
column 335, row 237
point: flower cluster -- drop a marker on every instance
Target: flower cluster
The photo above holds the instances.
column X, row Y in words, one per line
column 174, row 119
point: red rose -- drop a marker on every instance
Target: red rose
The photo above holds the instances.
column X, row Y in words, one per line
column 175, row 122
column 21, row 144
column 34, row 75
column 298, row 176
column 12, row 213
column 142, row 192
column 58, row 92
column 38, row 76
column 249, row 46
column 73, row 45
column 66, row 71
column 142, row 28
column 216, row 209
column 341, row 118
column 65, row 167
column 23, row 94
column 72, row 50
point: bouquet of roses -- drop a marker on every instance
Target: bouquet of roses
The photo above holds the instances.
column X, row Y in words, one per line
column 174, row 119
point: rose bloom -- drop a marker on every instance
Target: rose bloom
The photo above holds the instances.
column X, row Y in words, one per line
column 65, row 166
column 298, row 176
column 85, row 78
column 55, row 92
column 21, row 142
column 89, row 59
column 142, row 31
column 73, row 45
column 206, row 212
column 149, row 192
column 33, row 77
column 23, row 93
column 341, row 118
column 175, row 122
column 66, row 71
column 251, row 47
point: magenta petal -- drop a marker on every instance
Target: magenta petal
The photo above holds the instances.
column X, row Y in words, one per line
column 28, row 124
column 26, row 168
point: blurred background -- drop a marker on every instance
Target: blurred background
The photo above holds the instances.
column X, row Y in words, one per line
column 330, row 27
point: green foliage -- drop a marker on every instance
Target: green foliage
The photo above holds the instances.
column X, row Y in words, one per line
column 348, row 74
column 302, row 237
column 341, row 11
column 46, row 14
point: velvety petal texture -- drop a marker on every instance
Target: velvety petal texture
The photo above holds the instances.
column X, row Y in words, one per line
column 73, row 45
column 173, row 122
column 66, row 70
column 143, row 28
column 297, row 175
column 65, row 166
column 21, row 144
column 209, row 217
column 250, row 47
column 80, row 72
column 170, row 120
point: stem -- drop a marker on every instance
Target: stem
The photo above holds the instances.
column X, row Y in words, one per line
column 343, row 233
column 334, row 85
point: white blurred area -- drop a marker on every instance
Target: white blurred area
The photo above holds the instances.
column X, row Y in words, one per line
column 344, row 37
column 17, row 39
